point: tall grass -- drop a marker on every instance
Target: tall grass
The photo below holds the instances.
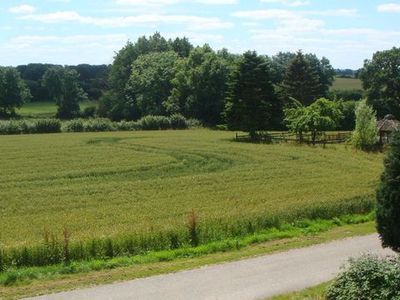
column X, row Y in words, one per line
column 55, row 251
column 95, row 125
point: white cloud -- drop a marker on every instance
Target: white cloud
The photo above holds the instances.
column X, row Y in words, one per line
column 389, row 7
column 147, row 2
column 191, row 22
column 22, row 9
column 295, row 3
column 218, row 2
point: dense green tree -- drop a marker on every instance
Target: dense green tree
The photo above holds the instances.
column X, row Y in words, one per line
column 200, row 86
column 150, row 83
column 280, row 63
column 388, row 198
column 181, row 46
column 320, row 116
column 63, row 87
column 348, row 109
column 365, row 134
column 93, row 79
column 115, row 103
column 325, row 71
column 381, row 80
column 251, row 95
column 302, row 81
column 13, row 91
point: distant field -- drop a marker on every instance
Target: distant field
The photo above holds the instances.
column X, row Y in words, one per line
column 45, row 109
column 347, row 84
column 109, row 184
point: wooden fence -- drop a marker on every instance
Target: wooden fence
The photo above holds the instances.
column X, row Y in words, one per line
column 287, row 137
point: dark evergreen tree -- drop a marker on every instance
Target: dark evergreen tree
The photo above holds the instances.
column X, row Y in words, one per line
column 302, row 81
column 388, row 198
column 251, row 95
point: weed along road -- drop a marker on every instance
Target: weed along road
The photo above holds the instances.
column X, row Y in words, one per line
column 254, row 278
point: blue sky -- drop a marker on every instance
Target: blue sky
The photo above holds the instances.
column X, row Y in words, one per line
column 76, row 31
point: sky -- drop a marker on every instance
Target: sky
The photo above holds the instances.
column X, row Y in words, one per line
column 74, row 31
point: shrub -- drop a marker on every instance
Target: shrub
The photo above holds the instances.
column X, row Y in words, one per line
column 73, row 126
column 178, row 121
column 388, row 198
column 194, row 123
column 47, row 126
column 368, row 277
column 89, row 112
column 365, row 135
column 98, row 125
column 154, row 123
column 127, row 126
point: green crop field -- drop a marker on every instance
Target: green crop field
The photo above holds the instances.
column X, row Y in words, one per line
column 45, row 109
column 347, row 84
column 110, row 184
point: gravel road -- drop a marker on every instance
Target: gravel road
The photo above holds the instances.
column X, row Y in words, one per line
column 254, row 278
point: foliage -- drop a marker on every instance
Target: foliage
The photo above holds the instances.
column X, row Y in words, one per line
column 63, row 87
column 388, row 198
column 154, row 123
column 381, row 77
column 114, row 104
column 47, row 126
column 346, row 95
column 178, row 121
column 51, row 257
column 301, row 80
column 199, row 86
column 348, row 108
column 13, row 91
column 251, row 97
column 149, row 85
column 368, row 277
column 322, row 115
column 365, row 134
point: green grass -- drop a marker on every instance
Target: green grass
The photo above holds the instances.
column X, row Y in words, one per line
column 110, row 184
column 37, row 110
column 313, row 293
column 347, row 84
column 39, row 281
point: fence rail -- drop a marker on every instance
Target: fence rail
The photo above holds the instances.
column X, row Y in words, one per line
column 287, row 137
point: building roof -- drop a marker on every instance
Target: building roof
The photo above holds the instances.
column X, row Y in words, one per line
column 389, row 123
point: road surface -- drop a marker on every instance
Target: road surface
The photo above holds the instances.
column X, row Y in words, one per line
column 254, row 278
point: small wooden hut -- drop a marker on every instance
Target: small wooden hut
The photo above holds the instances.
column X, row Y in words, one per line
column 386, row 127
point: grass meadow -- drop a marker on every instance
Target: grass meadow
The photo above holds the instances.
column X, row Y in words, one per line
column 344, row 84
column 100, row 185
column 37, row 110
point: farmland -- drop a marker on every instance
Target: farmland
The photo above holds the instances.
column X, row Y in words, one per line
column 344, row 84
column 45, row 109
column 110, row 184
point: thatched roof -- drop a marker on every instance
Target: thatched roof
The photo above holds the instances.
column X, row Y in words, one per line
column 388, row 124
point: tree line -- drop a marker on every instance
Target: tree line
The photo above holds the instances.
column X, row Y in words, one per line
column 156, row 76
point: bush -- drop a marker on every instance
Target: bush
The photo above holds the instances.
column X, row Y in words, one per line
column 366, row 132
column 178, row 121
column 154, row 123
column 89, row 112
column 368, row 277
column 47, row 126
column 127, row 126
column 388, row 198
column 73, row 126
column 98, row 125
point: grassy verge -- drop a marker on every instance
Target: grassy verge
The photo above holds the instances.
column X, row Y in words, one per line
column 313, row 293
column 41, row 280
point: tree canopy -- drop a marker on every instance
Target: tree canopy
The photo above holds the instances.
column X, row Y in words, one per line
column 13, row 91
column 63, row 87
column 251, row 95
column 381, row 80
